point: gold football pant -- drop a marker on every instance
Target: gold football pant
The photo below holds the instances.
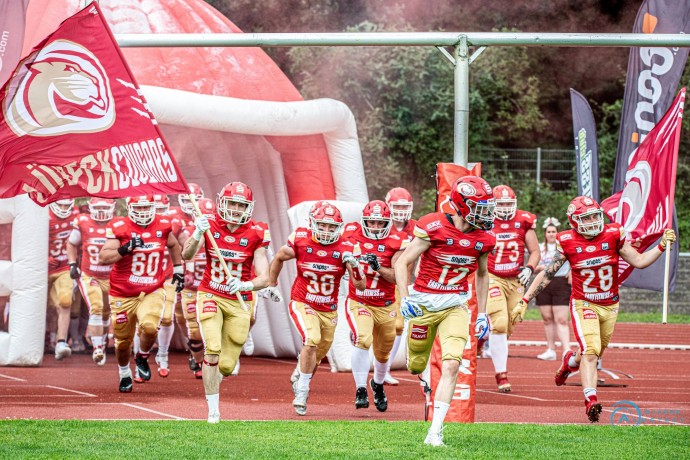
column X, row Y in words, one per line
column 593, row 325
column 372, row 326
column 316, row 328
column 145, row 309
column 504, row 294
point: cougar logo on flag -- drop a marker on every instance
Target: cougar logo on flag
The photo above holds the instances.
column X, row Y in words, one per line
column 66, row 90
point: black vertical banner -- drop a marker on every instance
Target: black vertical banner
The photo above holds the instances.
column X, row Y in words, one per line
column 586, row 154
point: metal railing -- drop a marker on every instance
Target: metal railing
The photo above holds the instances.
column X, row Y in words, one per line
column 553, row 166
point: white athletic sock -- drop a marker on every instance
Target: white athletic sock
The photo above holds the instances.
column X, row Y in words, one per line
column 360, row 366
column 165, row 335
column 125, row 371
column 137, row 343
column 589, row 392
column 212, row 401
column 304, row 380
column 498, row 345
column 380, row 370
column 440, row 411
column 97, row 341
column 394, row 350
column 572, row 363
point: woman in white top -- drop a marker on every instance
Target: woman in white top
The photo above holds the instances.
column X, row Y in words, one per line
column 554, row 299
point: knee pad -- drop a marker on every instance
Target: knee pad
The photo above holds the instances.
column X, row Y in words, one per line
column 416, row 364
column 195, row 345
column 124, row 344
column 148, row 328
column 499, row 325
column 453, row 349
column 165, row 322
column 225, row 368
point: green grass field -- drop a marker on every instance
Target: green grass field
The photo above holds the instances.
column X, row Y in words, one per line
column 365, row 440
column 626, row 317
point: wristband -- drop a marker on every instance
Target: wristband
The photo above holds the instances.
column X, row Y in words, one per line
column 250, row 285
column 124, row 250
column 524, row 299
column 530, row 267
column 178, row 269
column 661, row 248
column 72, row 263
column 189, row 266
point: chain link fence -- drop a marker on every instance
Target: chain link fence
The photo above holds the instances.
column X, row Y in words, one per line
column 555, row 167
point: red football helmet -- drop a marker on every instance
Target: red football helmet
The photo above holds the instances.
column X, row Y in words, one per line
column 473, row 199
column 399, row 202
column 376, row 211
column 162, row 204
column 62, row 208
column 185, row 203
column 326, row 223
column 141, row 209
column 235, row 192
column 101, row 209
column 586, row 216
column 506, row 203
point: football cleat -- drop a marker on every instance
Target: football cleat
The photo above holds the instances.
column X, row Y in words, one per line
column 592, row 409
column 126, row 385
column 390, row 380
column 361, row 398
column 162, row 361
column 214, row 417
column 380, row 400
column 143, row 369
column 300, row 401
column 98, row 356
column 198, row 374
column 62, row 351
column 137, row 377
column 192, row 363
column 503, row 383
column 434, row 438
column 565, row 370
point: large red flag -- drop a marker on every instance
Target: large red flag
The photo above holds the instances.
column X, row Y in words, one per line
column 645, row 205
column 75, row 123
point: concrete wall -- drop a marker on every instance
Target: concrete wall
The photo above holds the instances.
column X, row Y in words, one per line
column 639, row 300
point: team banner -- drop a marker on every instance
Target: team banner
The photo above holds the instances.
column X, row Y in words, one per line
column 645, row 205
column 12, row 19
column 586, row 156
column 75, row 123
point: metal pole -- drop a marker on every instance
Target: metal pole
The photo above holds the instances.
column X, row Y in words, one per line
column 462, row 103
column 538, row 167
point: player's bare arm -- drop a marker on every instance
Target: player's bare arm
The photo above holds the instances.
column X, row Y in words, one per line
column 190, row 247
column 261, row 268
column 388, row 273
column 482, row 282
column 405, row 262
column 544, row 278
column 72, row 251
column 532, row 245
column 284, row 254
column 109, row 253
column 174, row 249
column 647, row 258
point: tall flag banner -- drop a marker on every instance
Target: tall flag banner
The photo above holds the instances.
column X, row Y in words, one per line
column 12, row 20
column 75, row 123
column 645, row 205
column 586, row 154
column 652, row 80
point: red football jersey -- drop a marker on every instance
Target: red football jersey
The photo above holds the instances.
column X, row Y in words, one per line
column 58, row 235
column 594, row 263
column 177, row 226
column 141, row 271
column 453, row 255
column 509, row 257
column 319, row 269
column 93, row 238
column 408, row 228
column 199, row 262
column 237, row 249
column 379, row 292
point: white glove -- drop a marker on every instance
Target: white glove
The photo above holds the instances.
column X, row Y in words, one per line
column 348, row 258
column 482, row 326
column 524, row 276
column 272, row 293
column 236, row 285
column 409, row 309
column 201, row 224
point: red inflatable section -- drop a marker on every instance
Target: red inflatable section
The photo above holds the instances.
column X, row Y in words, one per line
column 462, row 407
column 244, row 73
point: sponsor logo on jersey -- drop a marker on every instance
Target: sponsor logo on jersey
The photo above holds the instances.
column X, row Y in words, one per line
column 368, row 245
column 589, row 314
column 578, row 250
column 591, row 248
column 64, row 234
column 310, row 311
column 100, row 231
column 149, row 246
column 566, row 236
column 604, row 246
column 419, row 332
column 318, row 266
column 119, row 223
column 142, row 280
column 517, row 224
column 209, row 306
column 309, row 250
column 322, row 253
column 91, row 230
column 300, row 234
column 456, row 260
column 229, row 239
column 121, row 317
column 506, row 236
column 505, row 267
column 244, row 242
column 612, row 230
column 319, row 299
column 363, row 312
column 370, row 293
column 336, row 254
column 230, row 254
column 505, row 225
column 598, row 296
column 478, row 246
column 96, row 241
column 464, row 243
column 449, row 241
column 433, row 225
column 495, row 292
column 381, row 248
column 593, row 262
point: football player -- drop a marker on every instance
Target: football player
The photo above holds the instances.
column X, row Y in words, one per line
column 371, row 312
column 452, row 247
column 323, row 256
column 593, row 249
column 223, row 319
column 61, row 214
column 135, row 247
column 514, row 230
column 399, row 201
column 186, row 205
column 93, row 278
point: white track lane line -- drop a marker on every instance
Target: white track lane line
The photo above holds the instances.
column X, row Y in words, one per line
column 518, row 396
column 71, row 391
column 153, row 411
column 9, row 377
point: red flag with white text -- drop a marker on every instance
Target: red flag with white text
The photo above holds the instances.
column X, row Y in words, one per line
column 75, row 123
column 645, row 205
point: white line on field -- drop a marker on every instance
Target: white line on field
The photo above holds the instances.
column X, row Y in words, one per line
column 71, row 391
column 533, row 398
column 152, row 411
column 9, row 377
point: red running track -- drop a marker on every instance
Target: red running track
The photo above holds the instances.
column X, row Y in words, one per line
column 77, row 389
